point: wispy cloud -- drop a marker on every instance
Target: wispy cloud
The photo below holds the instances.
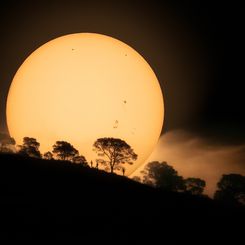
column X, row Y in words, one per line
column 193, row 156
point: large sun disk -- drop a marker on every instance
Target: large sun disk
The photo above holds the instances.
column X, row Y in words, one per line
column 84, row 86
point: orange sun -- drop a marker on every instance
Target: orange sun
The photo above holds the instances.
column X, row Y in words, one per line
column 82, row 87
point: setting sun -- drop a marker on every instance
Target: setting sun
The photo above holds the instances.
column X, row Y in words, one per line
column 84, row 86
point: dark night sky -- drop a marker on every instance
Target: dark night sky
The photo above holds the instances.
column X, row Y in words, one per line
column 196, row 49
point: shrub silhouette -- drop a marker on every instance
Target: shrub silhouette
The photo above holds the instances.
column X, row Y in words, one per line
column 80, row 160
column 48, row 155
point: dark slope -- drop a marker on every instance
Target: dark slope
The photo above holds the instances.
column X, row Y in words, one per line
column 43, row 200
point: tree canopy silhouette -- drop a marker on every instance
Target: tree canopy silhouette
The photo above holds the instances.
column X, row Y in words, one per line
column 64, row 150
column 231, row 189
column 115, row 152
column 195, row 185
column 48, row 155
column 30, row 147
column 162, row 175
column 6, row 143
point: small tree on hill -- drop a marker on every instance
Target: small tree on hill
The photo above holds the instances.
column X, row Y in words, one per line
column 163, row 176
column 30, row 147
column 64, row 150
column 48, row 155
column 115, row 152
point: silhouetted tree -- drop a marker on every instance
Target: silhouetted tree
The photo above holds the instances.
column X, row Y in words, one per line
column 6, row 143
column 115, row 151
column 231, row 189
column 80, row 160
column 64, row 150
column 195, row 185
column 48, row 155
column 30, row 147
column 163, row 176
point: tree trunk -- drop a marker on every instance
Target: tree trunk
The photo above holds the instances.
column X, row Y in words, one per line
column 111, row 165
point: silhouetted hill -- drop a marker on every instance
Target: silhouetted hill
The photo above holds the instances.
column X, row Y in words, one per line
column 56, row 200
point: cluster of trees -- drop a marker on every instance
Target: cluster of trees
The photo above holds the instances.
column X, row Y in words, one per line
column 62, row 150
column 164, row 176
column 230, row 188
column 113, row 153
